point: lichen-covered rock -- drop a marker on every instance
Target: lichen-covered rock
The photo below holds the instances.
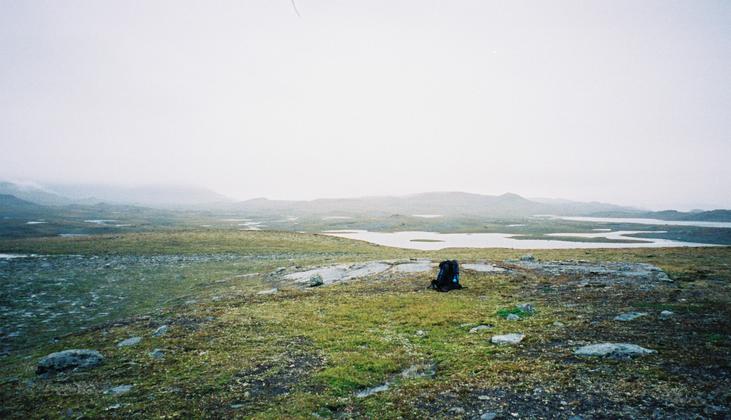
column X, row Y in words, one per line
column 69, row 359
column 615, row 350
column 512, row 317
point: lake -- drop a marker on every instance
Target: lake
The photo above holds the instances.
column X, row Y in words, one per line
column 640, row 221
column 430, row 241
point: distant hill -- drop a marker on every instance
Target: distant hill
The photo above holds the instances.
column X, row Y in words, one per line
column 33, row 193
column 12, row 206
column 157, row 196
column 442, row 203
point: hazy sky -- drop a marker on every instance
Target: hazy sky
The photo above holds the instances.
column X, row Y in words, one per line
column 620, row 101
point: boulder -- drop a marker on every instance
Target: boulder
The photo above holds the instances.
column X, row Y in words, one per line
column 69, row 359
column 513, row 338
column 512, row 317
column 615, row 350
column 315, row 281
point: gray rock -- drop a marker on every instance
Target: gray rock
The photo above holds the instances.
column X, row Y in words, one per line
column 615, row 350
column 512, row 317
column 666, row 314
column 315, row 281
column 526, row 307
column 418, row 267
column 483, row 268
column 456, row 410
column 559, row 324
column 488, row 416
column 420, row 333
column 69, row 359
column 119, row 390
column 629, row 316
column 420, row 370
column 132, row 341
column 374, row 390
column 480, row 328
column 157, row 354
column 268, row 291
column 528, row 258
column 513, row 338
column 160, row 331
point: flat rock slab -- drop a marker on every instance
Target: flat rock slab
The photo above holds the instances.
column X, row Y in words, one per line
column 510, row 339
column 337, row 273
column 629, row 316
column 614, row 350
column 608, row 272
column 69, row 359
column 483, row 268
column 416, row 267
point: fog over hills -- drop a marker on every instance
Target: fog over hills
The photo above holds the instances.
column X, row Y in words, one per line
column 34, row 197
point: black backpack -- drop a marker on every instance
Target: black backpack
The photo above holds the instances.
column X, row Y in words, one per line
column 448, row 277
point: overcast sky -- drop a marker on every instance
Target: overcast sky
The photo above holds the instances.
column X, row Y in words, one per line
column 620, row 101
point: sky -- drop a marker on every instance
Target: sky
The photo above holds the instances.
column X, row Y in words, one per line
column 617, row 101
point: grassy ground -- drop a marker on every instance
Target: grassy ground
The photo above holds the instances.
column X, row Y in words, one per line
column 306, row 352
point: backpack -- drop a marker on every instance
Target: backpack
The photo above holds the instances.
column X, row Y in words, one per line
column 448, row 277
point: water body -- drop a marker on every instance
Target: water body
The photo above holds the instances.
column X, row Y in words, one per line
column 430, row 241
column 642, row 221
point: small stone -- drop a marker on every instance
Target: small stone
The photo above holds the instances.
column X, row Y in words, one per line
column 528, row 258
column 559, row 324
column 629, row 316
column 615, row 350
column 160, row 331
column 513, row 338
column 483, row 398
column 512, row 317
column 666, row 314
column 480, row 328
column 456, row 410
column 420, row 333
column 132, row 341
column 268, row 291
column 119, row 390
column 157, row 354
column 69, row 359
column 315, row 281
column 488, row 416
